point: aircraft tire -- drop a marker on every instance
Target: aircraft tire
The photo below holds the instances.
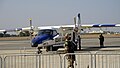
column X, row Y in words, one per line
column 55, row 48
column 48, row 48
column 35, row 45
column 51, row 48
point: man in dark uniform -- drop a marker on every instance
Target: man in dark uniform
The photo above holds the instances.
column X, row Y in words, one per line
column 75, row 38
column 69, row 48
column 101, row 38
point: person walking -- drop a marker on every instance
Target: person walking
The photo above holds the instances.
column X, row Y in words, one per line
column 101, row 38
column 69, row 48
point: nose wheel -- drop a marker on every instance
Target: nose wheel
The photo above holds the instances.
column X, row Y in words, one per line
column 39, row 51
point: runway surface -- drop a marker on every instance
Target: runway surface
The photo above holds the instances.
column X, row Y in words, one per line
column 14, row 51
column 86, row 43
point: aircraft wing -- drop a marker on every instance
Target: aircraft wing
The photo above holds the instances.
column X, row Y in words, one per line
column 94, row 25
column 102, row 25
column 62, row 26
column 82, row 26
column 49, row 27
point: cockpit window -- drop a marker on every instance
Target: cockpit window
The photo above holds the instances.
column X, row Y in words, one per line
column 41, row 32
column 54, row 32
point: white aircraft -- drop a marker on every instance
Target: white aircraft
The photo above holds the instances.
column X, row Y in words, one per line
column 48, row 35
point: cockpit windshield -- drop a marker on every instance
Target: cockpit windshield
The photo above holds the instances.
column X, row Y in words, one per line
column 41, row 32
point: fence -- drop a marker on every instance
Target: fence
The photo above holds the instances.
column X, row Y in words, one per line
column 83, row 60
column 109, row 59
column 0, row 62
column 33, row 61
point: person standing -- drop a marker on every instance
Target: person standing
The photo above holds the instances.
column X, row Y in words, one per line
column 101, row 38
column 69, row 48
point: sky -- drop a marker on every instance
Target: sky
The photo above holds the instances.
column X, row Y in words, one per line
column 16, row 13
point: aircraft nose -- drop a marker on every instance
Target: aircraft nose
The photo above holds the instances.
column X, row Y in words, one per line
column 35, row 42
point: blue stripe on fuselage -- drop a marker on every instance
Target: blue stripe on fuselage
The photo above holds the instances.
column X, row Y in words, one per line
column 96, row 25
column 104, row 25
column 19, row 29
column 107, row 25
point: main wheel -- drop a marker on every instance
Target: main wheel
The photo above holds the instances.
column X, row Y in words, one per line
column 51, row 48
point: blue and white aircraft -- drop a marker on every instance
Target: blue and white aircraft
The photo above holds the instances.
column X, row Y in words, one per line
column 44, row 35
column 48, row 36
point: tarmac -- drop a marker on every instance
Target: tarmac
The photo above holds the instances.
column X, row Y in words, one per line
column 87, row 45
column 20, row 54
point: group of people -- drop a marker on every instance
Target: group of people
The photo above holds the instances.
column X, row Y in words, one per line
column 70, row 48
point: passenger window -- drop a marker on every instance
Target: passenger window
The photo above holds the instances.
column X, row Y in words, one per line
column 54, row 32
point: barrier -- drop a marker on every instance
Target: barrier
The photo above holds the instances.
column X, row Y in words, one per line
column 83, row 60
column 103, row 59
column 33, row 61
column 0, row 62
column 109, row 59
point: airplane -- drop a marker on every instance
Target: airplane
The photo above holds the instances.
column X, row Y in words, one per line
column 49, row 40
column 48, row 36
